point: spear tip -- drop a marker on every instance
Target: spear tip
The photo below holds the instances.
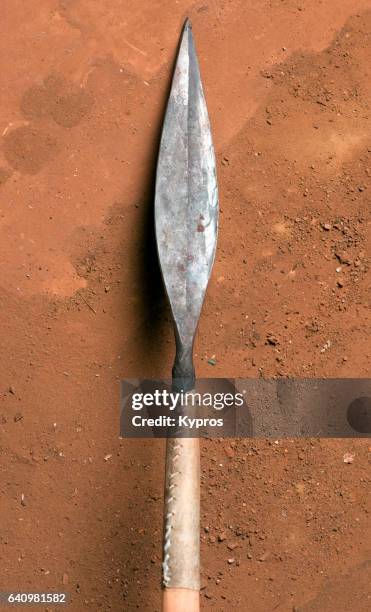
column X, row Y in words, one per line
column 187, row 25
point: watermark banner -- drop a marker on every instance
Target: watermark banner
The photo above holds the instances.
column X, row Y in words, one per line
column 260, row 408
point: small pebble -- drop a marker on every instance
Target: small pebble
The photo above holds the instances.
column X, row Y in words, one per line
column 348, row 458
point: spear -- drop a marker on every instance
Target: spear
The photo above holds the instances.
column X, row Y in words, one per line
column 186, row 218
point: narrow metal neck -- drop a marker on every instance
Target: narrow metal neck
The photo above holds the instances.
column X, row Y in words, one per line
column 183, row 369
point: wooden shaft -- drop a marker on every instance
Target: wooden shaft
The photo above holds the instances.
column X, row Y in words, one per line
column 181, row 555
column 181, row 600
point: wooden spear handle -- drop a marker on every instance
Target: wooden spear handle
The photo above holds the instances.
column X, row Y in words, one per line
column 181, row 555
column 181, row 600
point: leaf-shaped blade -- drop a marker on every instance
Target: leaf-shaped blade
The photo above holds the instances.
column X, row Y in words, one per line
column 186, row 201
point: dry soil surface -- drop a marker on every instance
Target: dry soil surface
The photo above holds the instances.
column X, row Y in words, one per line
column 285, row 524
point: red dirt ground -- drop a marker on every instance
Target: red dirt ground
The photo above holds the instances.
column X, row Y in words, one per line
column 83, row 91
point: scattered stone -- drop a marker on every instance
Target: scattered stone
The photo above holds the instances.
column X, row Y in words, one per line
column 212, row 361
column 348, row 458
column 107, row 457
column 11, row 390
column 231, row 561
column 312, row 326
column 327, row 227
column 340, row 282
column 232, row 545
column 271, row 339
column 212, row 539
column 18, row 417
column 344, row 258
column 222, row 536
column 326, row 346
column 23, row 501
column 229, row 452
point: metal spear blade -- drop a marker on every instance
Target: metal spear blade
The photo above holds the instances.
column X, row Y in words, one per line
column 186, row 200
